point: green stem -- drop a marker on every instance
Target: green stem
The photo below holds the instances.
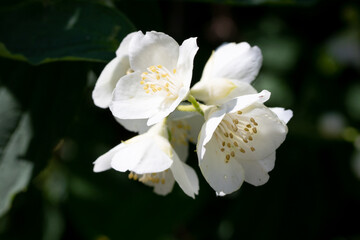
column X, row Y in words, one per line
column 196, row 105
column 186, row 108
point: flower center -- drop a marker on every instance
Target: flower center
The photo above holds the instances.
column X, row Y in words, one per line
column 159, row 79
column 235, row 134
column 149, row 177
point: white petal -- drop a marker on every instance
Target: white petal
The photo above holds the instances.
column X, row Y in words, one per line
column 181, row 148
column 220, row 194
column 195, row 123
column 254, row 173
column 222, row 177
column 184, row 127
column 245, row 101
column 211, row 92
column 130, row 101
column 207, row 131
column 166, row 187
column 108, row 78
column 103, row 162
column 180, row 115
column 142, row 155
column 134, row 125
column 160, row 129
column 283, row 115
column 123, row 49
column 241, row 89
column 220, row 90
column 185, row 62
column 192, row 120
column 268, row 163
column 271, row 132
column 185, row 176
column 207, row 74
column 153, row 48
column 166, row 107
column 234, row 61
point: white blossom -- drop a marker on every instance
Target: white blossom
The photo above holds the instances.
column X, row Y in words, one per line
column 151, row 159
column 228, row 73
column 238, row 141
column 160, row 77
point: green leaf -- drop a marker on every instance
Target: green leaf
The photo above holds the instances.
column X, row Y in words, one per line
column 74, row 30
column 14, row 173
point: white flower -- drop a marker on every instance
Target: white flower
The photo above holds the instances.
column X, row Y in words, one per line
column 238, row 141
column 105, row 85
column 150, row 159
column 160, row 79
column 113, row 71
column 228, row 73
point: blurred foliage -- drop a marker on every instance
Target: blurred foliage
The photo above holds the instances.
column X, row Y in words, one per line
column 258, row 2
column 14, row 173
column 40, row 32
column 311, row 65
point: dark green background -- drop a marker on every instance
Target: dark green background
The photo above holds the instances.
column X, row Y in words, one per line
column 50, row 67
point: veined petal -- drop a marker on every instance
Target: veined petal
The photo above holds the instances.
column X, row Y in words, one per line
column 283, row 115
column 185, row 176
column 234, row 61
column 123, row 49
column 144, row 154
column 130, row 101
column 108, row 78
column 134, row 125
column 220, row 90
column 223, row 177
column 103, row 162
column 185, row 62
column 153, row 48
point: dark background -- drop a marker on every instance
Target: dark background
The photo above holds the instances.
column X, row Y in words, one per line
column 311, row 65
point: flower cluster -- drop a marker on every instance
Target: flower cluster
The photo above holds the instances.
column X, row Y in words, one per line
column 147, row 89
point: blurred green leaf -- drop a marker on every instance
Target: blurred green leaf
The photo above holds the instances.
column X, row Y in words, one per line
column 259, row 2
column 74, row 30
column 352, row 101
column 14, row 173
